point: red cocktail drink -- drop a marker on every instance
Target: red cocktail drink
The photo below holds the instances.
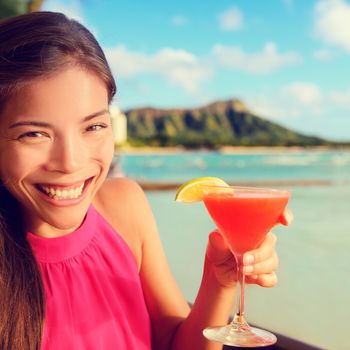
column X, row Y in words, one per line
column 245, row 217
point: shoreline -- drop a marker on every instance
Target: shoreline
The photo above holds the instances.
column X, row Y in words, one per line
column 172, row 186
column 127, row 150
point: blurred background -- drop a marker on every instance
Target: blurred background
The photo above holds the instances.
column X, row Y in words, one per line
column 255, row 92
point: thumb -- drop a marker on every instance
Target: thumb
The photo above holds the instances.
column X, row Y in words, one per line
column 286, row 218
column 217, row 249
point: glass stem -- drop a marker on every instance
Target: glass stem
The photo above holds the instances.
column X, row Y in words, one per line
column 241, row 280
column 239, row 323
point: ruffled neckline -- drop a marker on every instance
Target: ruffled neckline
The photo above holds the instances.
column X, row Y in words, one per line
column 56, row 249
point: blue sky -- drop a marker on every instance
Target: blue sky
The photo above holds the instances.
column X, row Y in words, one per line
column 286, row 60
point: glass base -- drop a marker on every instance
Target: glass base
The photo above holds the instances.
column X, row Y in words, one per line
column 245, row 338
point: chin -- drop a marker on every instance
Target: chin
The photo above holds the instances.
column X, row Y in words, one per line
column 57, row 221
column 66, row 218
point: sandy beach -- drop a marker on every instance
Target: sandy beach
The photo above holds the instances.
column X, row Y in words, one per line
column 225, row 150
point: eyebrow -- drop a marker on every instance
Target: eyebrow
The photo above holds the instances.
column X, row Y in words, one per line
column 48, row 125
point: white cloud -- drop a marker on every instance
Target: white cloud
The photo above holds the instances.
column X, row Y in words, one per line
column 323, row 55
column 188, row 71
column 231, row 20
column 304, row 93
column 179, row 20
column 266, row 61
column 126, row 63
column 331, row 24
column 295, row 100
column 178, row 67
column 299, row 99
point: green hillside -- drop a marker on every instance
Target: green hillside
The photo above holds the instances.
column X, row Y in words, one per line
column 218, row 124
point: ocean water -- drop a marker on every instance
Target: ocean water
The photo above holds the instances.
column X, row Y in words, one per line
column 323, row 166
column 311, row 300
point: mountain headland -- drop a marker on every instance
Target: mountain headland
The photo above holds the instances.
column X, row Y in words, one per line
column 221, row 123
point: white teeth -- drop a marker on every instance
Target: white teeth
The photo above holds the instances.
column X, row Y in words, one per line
column 60, row 194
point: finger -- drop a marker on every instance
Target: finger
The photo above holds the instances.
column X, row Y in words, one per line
column 217, row 249
column 286, row 218
column 267, row 266
column 267, row 280
column 262, row 253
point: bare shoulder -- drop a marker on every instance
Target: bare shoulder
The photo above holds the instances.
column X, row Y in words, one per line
column 125, row 207
column 122, row 202
column 116, row 189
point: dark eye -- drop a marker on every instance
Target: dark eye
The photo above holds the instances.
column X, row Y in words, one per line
column 32, row 134
column 96, row 127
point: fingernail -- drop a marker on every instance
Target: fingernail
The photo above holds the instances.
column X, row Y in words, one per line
column 248, row 269
column 254, row 277
column 248, row 259
column 287, row 218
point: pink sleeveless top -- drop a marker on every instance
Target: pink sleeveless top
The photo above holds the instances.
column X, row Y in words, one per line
column 94, row 299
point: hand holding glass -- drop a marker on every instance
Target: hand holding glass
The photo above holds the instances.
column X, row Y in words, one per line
column 243, row 215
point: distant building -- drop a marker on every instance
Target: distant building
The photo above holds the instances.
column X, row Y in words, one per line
column 119, row 125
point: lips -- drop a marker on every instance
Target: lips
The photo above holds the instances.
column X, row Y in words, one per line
column 63, row 192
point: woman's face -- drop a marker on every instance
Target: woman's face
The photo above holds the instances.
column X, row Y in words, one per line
column 56, row 145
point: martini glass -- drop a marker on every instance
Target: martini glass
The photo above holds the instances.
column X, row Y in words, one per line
column 243, row 215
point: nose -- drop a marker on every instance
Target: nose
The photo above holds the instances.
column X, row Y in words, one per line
column 67, row 155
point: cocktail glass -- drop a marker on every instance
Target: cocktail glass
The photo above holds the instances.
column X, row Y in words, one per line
column 243, row 215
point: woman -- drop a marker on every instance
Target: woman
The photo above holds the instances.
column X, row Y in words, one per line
column 81, row 263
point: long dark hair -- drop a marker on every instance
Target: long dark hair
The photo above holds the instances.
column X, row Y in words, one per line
column 33, row 46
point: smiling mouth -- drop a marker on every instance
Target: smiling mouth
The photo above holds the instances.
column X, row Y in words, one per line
column 64, row 192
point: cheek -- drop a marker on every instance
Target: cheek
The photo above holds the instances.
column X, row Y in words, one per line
column 104, row 149
column 16, row 164
column 108, row 154
column 12, row 177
